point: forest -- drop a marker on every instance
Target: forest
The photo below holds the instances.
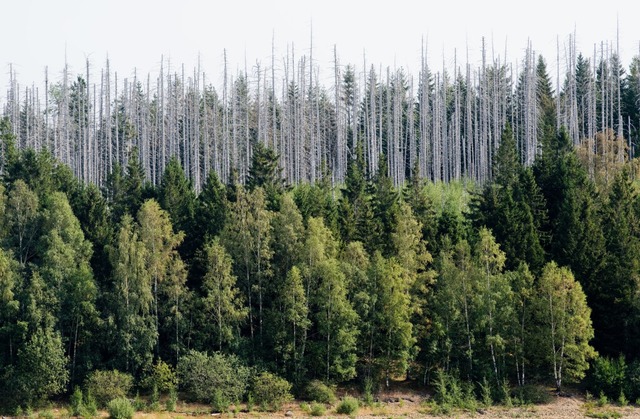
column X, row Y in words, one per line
column 481, row 228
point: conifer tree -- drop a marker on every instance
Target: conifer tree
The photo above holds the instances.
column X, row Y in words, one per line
column 265, row 172
column 613, row 295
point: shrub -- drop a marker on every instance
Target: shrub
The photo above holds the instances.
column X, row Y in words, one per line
column 317, row 391
column 348, row 406
column 608, row 376
column 120, row 408
column 200, row 375
column 90, row 407
column 485, row 393
column 139, row 404
column 318, row 409
column 219, row 402
column 160, row 376
column 75, row 402
column 108, row 385
column 172, row 401
column 270, row 392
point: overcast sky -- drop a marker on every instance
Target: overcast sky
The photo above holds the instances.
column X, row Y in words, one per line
column 136, row 33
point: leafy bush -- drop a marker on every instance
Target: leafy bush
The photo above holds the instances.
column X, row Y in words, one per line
column 348, row 406
column 201, row 375
column 120, row 408
column 105, row 386
column 270, row 392
column 317, row 391
column 318, row 409
column 160, row 376
column 608, row 376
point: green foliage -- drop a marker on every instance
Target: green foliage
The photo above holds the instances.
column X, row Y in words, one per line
column 219, row 402
column 533, row 394
column 485, row 393
column 348, row 406
column 160, row 376
column 318, row 409
column 176, row 196
column 622, row 399
column 603, row 400
column 564, row 322
column 106, row 385
column 317, row 391
column 41, row 368
column 90, row 406
column 201, row 375
column 120, row 408
column 608, row 376
column 75, row 402
column 270, row 392
column 172, row 400
column 266, row 173
column 222, row 300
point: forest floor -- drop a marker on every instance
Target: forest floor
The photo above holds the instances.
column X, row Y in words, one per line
column 397, row 403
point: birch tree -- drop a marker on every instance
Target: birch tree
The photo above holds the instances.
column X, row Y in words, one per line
column 564, row 322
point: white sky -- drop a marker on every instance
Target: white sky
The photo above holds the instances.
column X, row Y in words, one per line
column 135, row 33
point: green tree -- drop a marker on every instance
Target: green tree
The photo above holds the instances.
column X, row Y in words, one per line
column 613, row 296
column 453, row 335
column 564, row 324
column 65, row 268
column 423, row 208
column 494, row 305
column 266, row 173
column 547, row 122
column 247, row 238
column 221, row 298
column 290, row 324
column 9, row 308
column 288, row 236
column 134, row 327
column 163, row 263
column 523, row 293
column 506, row 163
column 393, row 331
column 41, row 368
column 22, row 221
column 177, row 198
column 93, row 212
column 333, row 353
column 385, row 207
column 355, row 207
column 211, row 208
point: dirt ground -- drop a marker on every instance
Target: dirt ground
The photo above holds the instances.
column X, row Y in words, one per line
column 401, row 404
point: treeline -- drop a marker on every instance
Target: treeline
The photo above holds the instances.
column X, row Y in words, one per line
column 508, row 283
column 447, row 122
